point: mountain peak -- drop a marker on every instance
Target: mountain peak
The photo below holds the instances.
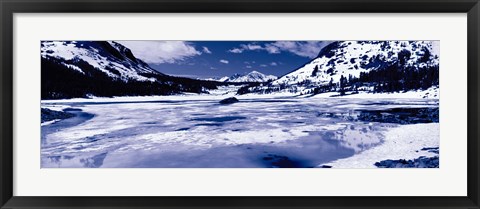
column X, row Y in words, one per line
column 253, row 76
column 348, row 60
column 104, row 68
column 111, row 58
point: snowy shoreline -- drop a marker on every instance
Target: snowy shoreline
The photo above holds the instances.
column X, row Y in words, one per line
column 431, row 93
column 219, row 96
column 402, row 142
column 49, row 122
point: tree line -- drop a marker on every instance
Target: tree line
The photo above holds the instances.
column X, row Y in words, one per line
column 60, row 81
column 396, row 76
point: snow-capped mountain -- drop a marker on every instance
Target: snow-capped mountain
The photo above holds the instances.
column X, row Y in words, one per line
column 223, row 79
column 253, row 76
column 349, row 59
column 352, row 57
column 219, row 79
column 105, row 68
column 111, row 58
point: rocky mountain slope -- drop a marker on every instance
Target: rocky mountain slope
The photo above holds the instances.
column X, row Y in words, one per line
column 105, row 68
column 376, row 66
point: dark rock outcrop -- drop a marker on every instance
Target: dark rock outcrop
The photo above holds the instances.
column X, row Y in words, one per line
column 229, row 100
column 48, row 115
column 421, row 162
column 401, row 115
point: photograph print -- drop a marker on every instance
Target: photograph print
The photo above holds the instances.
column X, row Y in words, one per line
column 240, row 104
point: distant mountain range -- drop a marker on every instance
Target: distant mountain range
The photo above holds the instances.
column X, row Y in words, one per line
column 253, row 76
column 375, row 66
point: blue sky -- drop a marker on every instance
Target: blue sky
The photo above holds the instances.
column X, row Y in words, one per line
column 208, row 59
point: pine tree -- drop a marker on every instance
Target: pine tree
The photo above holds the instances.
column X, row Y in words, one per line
column 343, row 83
column 315, row 71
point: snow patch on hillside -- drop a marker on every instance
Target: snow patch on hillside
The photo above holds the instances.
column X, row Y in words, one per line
column 88, row 52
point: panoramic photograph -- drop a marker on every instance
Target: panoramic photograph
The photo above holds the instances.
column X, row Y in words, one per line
column 240, row 104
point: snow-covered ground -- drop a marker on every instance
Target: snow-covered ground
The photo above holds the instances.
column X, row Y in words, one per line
column 403, row 142
column 221, row 93
column 430, row 93
column 49, row 122
column 230, row 91
column 196, row 131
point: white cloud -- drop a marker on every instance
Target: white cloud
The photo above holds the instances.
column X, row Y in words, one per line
column 301, row 48
column 273, row 64
column 235, row 50
column 243, row 47
column 272, row 49
column 251, row 46
column 248, row 66
column 157, row 52
column 263, row 65
column 224, row 61
column 206, row 50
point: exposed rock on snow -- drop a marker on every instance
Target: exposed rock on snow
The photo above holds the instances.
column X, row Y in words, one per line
column 229, row 100
column 51, row 115
column 421, row 162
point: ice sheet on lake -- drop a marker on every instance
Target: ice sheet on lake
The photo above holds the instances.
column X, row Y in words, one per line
column 270, row 132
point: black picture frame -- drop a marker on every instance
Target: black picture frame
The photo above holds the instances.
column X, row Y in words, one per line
column 10, row 7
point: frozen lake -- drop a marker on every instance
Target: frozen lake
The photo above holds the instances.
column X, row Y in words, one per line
column 201, row 133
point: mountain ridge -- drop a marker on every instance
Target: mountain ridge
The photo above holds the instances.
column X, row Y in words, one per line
column 253, row 76
column 343, row 62
column 105, row 68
